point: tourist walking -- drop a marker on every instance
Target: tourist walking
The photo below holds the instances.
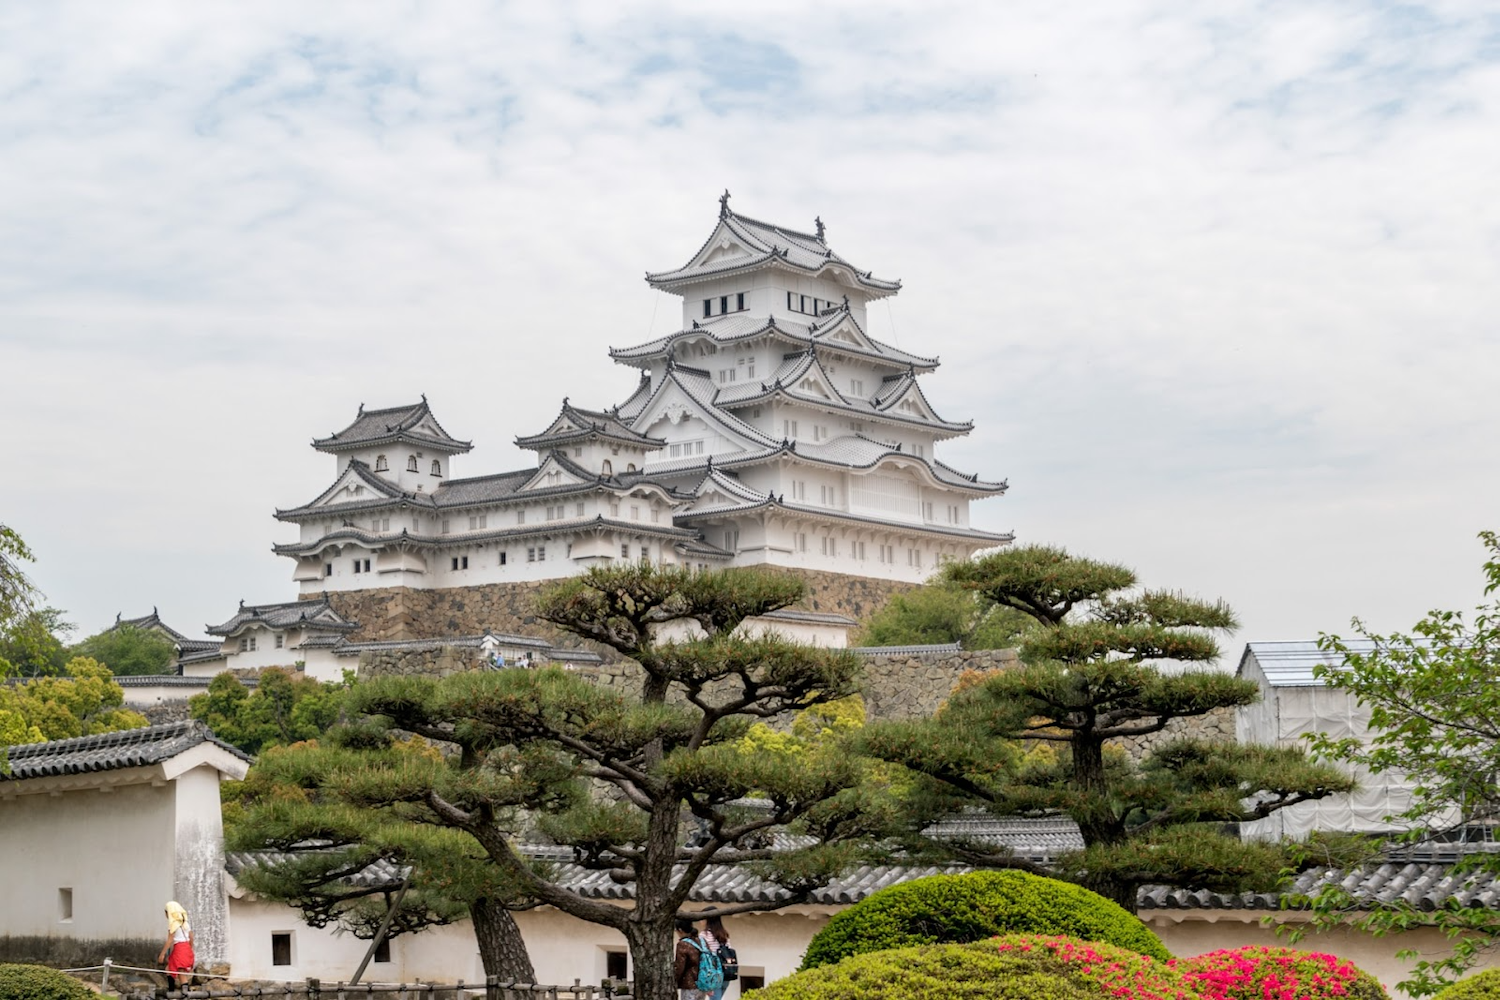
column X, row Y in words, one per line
column 177, row 952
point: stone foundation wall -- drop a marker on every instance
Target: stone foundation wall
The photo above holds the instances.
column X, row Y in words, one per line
column 913, row 685
column 419, row 662
column 404, row 613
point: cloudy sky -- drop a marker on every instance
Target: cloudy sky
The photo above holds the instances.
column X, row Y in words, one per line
column 1216, row 283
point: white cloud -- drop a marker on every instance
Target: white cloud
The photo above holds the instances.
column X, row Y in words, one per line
column 1217, row 289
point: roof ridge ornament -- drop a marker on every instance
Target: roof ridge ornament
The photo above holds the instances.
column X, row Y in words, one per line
column 818, row 221
column 724, row 204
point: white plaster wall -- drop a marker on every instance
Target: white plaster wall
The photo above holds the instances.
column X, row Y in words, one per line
column 199, row 876
column 562, row 948
column 113, row 848
column 144, row 696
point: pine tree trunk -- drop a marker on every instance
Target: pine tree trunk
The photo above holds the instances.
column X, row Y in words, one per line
column 501, row 948
column 1125, row 895
column 652, row 949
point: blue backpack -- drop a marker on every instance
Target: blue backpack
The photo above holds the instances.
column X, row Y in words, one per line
column 710, row 971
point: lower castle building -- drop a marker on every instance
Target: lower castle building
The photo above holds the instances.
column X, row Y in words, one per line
column 770, row 429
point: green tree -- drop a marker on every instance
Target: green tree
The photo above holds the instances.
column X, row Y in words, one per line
column 85, row 702
column 1435, row 717
column 284, row 708
column 1044, row 738
column 22, row 631
column 36, row 648
column 128, row 650
column 940, row 613
column 286, row 802
column 651, row 785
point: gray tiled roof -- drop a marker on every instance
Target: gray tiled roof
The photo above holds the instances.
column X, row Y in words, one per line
column 153, row 622
column 730, row 330
column 111, row 751
column 1424, row 885
column 768, row 243
column 128, row 681
column 947, row 647
column 314, row 614
column 815, row 617
column 576, row 424
column 396, row 423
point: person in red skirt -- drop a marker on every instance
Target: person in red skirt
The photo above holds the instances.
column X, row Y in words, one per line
column 177, row 953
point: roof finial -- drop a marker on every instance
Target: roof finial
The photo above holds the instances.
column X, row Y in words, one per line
column 846, row 302
column 819, row 221
column 361, row 412
column 565, row 401
column 724, row 204
column 424, row 398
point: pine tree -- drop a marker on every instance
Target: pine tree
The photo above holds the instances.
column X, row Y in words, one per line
column 1044, row 738
column 334, row 835
column 651, row 785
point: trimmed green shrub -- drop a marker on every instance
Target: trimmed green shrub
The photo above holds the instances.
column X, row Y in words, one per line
column 1013, row 967
column 1482, row 986
column 958, row 908
column 37, row 982
column 1256, row 972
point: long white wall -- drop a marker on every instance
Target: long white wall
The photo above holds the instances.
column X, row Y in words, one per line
column 562, row 948
column 113, row 849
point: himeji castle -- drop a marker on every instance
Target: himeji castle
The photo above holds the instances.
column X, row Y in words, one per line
column 771, row 429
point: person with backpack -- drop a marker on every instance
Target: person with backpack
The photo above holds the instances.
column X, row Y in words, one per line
column 685, row 962
column 711, row 931
column 696, row 969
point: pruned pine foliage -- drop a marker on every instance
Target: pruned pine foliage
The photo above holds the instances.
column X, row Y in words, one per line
column 338, row 808
column 1043, row 739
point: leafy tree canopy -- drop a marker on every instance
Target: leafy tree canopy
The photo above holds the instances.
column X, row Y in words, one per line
column 128, row 650
column 1093, row 677
column 283, row 708
column 1435, row 717
column 941, row 613
column 35, row 648
column 26, row 631
column 85, row 702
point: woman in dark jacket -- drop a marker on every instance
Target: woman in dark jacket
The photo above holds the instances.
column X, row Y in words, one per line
column 685, row 962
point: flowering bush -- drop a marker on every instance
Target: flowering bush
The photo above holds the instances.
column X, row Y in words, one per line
column 1013, row 967
column 1261, row 973
column 1484, row 986
column 954, row 909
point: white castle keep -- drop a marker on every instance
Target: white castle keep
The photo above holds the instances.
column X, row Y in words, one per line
column 771, row 429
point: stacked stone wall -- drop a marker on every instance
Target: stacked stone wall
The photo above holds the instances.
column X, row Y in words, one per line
column 404, row 613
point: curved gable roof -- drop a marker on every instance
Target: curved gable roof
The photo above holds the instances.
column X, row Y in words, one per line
column 414, row 423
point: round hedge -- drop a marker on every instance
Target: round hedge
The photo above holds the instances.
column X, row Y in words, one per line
column 1012, row 967
column 955, row 909
column 37, row 982
column 1483, row 986
column 1256, row 972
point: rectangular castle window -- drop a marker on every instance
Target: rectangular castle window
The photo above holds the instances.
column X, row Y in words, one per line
column 328, row 569
column 614, row 963
column 739, row 302
column 281, row 948
column 502, row 557
column 723, row 304
column 447, row 525
column 65, row 905
column 382, row 954
column 280, row 641
column 708, row 308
